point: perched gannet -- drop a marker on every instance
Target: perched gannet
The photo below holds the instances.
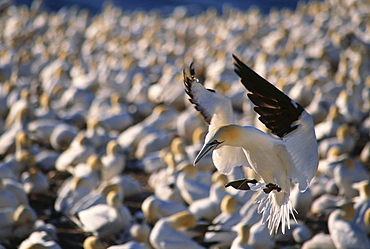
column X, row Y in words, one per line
column 281, row 161
column 105, row 220
column 343, row 231
column 209, row 208
column 97, row 134
column 362, row 202
column 77, row 152
column 221, row 232
column 114, row 161
column 17, row 106
column 241, row 241
column 140, row 230
column 24, row 221
column 39, row 239
column 93, row 242
column 8, row 138
column 319, row 241
column 301, row 201
column 190, row 184
column 168, row 232
column 49, row 228
column 155, row 208
column 62, row 136
column 95, row 197
column 260, row 238
column 70, row 192
column 8, row 198
column 34, row 181
column 16, row 188
column 129, row 185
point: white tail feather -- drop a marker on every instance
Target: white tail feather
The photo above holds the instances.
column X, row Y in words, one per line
column 276, row 209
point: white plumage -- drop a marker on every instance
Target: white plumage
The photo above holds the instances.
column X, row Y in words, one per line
column 282, row 161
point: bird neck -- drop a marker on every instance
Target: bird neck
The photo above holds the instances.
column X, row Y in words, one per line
column 247, row 137
column 244, row 235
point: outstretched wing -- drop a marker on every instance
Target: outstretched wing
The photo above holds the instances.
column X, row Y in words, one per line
column 215, row 107
column 286, row 119
column 278, row 112
column 217, row 110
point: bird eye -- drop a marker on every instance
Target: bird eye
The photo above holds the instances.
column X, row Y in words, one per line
column 215, row 142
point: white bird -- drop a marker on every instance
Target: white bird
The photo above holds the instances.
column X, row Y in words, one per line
column 8, row 199
column 221, row 232
column 191, row 185
column 91, row 171
column 105, row 220
column 347, row 173
column 114, row 161
column 40, row 130
column 260, row 238
column 24, row 220
column 93, row 242
column 209, row 207
column 71, row 192
column 9, row 136
column 21, row 103
column 78, row 152
column 343, row 231
column 301, row 201
column 140, row 230
column 166, row 235
column 155, row 208
column 324, row 204
column 49, row 228
column 281, row 161
column 16, row 188
column 362, row 202
column 129, row 245
column 97, row 135
column 95, row 197
column 62, row 136
column 241, row 241
column 34, row 181
column 129, row 185
column 319, row 241
column 39, row 239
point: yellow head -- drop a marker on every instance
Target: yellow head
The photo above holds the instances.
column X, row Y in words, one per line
column 228, row 204
column 224, row 135
column 183, row 219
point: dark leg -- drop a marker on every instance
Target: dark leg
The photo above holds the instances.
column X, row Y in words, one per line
column 270, row 187
column 241, row 184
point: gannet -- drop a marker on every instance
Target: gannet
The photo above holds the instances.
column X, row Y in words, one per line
column 241, row 241
column 169, row 232
column 344, row 232
column 39, row 239
column 282, row 161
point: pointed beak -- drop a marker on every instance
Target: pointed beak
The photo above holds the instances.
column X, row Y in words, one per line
column 207, row 148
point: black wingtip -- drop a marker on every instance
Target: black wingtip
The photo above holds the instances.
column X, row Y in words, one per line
column 239, row 66
column 236, row 58
column 191, row 69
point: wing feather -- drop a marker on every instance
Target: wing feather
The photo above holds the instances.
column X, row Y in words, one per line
column 264, row 94
column 286, row 119
column 215, row 107
column 217, row 110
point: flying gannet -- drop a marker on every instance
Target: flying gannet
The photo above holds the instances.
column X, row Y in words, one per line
column 281, row 161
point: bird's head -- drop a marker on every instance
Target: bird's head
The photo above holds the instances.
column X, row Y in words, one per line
column 224, row 135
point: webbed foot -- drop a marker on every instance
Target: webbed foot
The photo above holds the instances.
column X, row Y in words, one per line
column 241, row 184
column 270, row 187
